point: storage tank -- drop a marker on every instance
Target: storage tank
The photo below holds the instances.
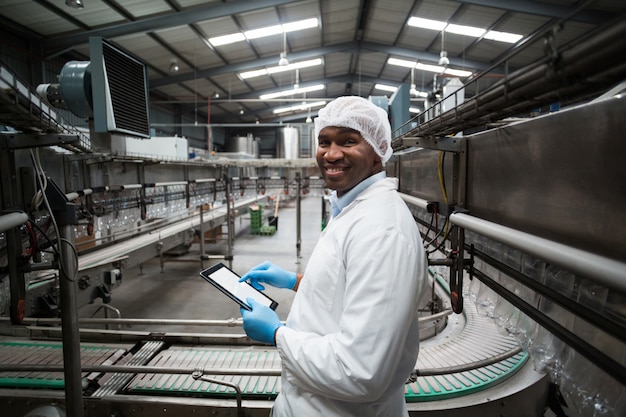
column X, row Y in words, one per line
column 311, row 152
column 243, row 145
column 288, row 143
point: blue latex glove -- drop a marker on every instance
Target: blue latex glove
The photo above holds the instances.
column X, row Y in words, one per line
column 271, row 274
column 261, row 322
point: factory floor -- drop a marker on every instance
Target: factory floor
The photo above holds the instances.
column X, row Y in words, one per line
column 176, row 291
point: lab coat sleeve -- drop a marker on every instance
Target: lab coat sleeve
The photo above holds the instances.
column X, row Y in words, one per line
column 359, row 361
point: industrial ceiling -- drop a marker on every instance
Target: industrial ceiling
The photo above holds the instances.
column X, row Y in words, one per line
column 355, row 45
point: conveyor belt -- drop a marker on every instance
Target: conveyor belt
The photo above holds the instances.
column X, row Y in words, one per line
column 49, row 353
column 476, row 358
column 470, row 355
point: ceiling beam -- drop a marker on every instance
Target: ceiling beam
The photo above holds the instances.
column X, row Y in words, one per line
column 55, row 45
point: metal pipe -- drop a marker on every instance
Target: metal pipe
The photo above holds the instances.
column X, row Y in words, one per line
column 131, row 369
column 130, row 321
column 202, row 232
column 230, row 222
column 600, row 269
column 419, row 202
column 298, row 218
column 69, row 319
column 11, row 220
column 521, row 89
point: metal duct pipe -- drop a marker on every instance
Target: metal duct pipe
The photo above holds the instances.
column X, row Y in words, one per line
column 604, row 271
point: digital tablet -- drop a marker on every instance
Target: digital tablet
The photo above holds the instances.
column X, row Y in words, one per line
column 225, row 280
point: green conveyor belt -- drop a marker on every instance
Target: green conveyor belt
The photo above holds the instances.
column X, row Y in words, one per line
column 45, row 353
column 428, row 388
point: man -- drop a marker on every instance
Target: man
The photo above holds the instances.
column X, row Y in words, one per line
column 351, row 337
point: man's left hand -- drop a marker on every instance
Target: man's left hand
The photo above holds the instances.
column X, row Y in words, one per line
column 261, row 322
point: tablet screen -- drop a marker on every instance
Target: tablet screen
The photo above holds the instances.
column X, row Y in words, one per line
column 228, row 282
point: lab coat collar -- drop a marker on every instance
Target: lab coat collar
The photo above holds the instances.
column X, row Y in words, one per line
column 339, row 203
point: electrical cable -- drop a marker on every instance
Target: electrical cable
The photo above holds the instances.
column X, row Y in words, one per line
column 41, row 174
column 440, row 174
column 443, row 241
column 38, row 197
column 45, row 235
column 32, row 239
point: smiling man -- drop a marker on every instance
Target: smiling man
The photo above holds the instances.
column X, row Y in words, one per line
column 351, row 337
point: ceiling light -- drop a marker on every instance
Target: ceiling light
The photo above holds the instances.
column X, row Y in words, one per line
column 463, row 30
column 174, row 65
column 277, row 69
column 227, row 39
column 426, row 23
column 308, row 119
column 296, row 65
column 303, row 106
column 300, row 25
column 401, row 62
column 292, row 92
column 414, row 110
column 264, row 32
column 507, row 37
column 385, row 87
column 75, row 4
column 427, row 67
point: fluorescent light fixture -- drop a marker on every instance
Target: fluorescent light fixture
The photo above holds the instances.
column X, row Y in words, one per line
column 295, row 65
column 227, row 39
column 430, row 68
column 401, row 62
column 253, row 73
column 299, row 107
column 426, row 23
column 385, row 87
column 281, row 68
column 427, row 67
column 465, row 30
column 507, row 37
column 264, row 32
column 300, row 25
column 292, row 92
column 475, row 32
column 414, row 110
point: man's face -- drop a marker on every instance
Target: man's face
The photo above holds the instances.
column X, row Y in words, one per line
column 345, row 158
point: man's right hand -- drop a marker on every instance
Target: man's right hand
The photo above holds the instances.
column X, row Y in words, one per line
column 271, row 274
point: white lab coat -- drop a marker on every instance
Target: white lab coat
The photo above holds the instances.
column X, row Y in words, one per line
column 351, row 338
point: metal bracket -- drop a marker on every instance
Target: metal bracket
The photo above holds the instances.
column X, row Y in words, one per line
column 448, row 143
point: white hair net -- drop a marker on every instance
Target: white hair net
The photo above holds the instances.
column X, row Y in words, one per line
column 361, row 115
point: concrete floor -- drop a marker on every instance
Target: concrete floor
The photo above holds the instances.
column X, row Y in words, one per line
column 178, row 292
